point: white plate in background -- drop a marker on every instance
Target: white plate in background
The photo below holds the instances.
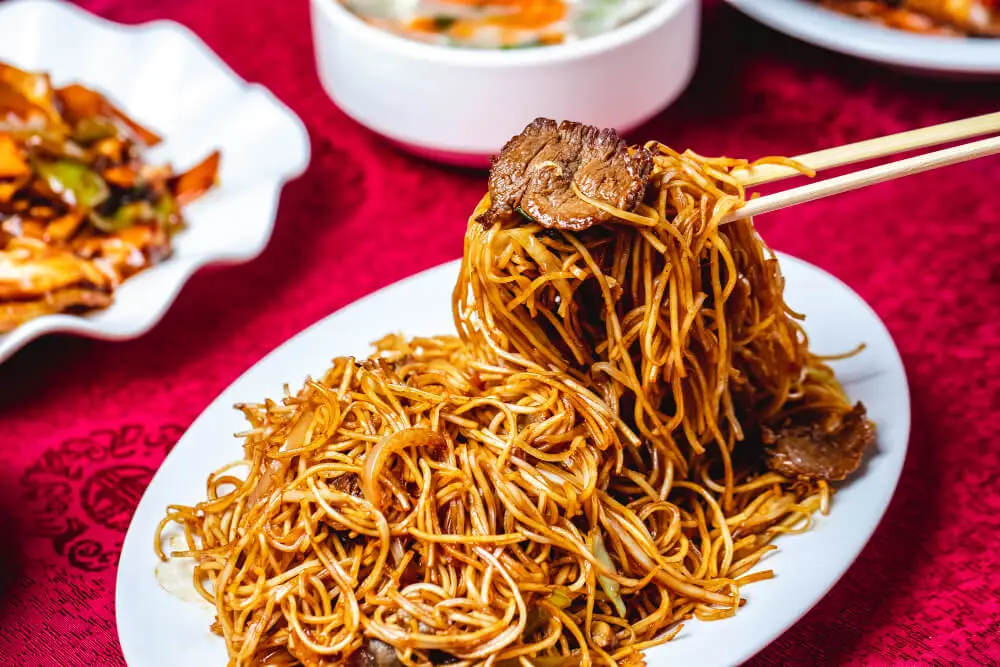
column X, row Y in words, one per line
column 165, row 77
column 929, row 54
column 161, row 629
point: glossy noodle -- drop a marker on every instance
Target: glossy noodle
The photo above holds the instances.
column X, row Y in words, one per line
column 576, row 474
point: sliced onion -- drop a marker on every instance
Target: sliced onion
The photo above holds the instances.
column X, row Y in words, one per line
column 396, row 550
column 611, row 587
column 265, row 483
column 297, row 435
column 386, row 447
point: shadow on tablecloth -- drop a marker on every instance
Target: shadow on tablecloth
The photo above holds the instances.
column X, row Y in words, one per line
column 10, row 553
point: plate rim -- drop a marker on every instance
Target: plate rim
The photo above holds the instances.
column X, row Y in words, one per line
column 856, row 37
column 184, row 266
column 761, row 640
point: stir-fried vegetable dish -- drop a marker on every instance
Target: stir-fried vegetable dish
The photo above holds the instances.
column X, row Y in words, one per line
column 80, row 210
column 974, row 18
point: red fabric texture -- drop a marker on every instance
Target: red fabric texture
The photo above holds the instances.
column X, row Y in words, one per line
column 83, row 424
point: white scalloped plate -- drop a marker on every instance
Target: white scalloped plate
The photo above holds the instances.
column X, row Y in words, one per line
column 164, row 76
column 923, row 54
column 161, row 629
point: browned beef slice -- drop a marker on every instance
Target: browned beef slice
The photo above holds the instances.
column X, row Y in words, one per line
column 812, row 452
column 535, row 169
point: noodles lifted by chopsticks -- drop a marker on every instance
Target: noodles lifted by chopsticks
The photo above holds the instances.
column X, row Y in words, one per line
column 677, row 321
column 563, row 484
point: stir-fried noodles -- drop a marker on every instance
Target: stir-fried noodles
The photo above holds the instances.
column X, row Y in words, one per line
column 629, row 416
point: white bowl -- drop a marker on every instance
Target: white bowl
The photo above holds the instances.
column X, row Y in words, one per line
column 166, row 78
column 462, row 105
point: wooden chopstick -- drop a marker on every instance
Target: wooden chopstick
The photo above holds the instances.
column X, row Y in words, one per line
column 860, row 179
column 870, row 149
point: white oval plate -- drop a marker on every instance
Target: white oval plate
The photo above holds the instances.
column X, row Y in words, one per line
column 161, row 629
column 165, row 77
column 932, row 54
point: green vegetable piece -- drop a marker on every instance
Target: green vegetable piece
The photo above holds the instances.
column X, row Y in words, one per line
column 528, row 44
column 76, row 183
column 167, row 213
column 94, row 128
column 610, row 586
column 442, row 23
column 524, row 214
column 126, row 216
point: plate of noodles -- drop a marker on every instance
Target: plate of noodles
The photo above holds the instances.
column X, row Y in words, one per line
column 616, row 432
column 959, row 38
column 130, row 157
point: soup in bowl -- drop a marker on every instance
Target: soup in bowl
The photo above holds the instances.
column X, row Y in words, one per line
column 498, row 24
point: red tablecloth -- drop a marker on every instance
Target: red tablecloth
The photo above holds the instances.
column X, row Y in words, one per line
column 83, row 424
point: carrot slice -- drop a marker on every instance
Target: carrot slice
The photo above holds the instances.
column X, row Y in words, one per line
column 196, row 181
column 80, row 102
column 12, row 163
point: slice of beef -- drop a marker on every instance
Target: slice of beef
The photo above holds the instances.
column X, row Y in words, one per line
column 534, row 172
column 815, row 453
